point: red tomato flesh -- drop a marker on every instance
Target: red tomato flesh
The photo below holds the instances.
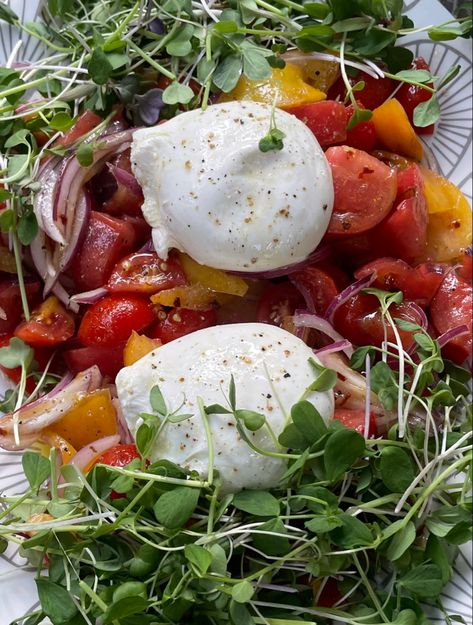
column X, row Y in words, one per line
column 106, row 241
column 365, row 190
column 49, row 325
column 108, row 359
column 355, row 420
column 363, row 135
column 119, row 455
column 111, row 320
column 11, row 309
column 410, row 96
column 320, row 284
column 181, row 321
column 327, row 120
column 279, row 301
column 145, row 273
column 375, row 92
column 84, row 124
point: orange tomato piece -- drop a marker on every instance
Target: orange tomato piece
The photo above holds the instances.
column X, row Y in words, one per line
column 395, row 131
column 210, row 278
column 52, row 439
column 93, row 417
column 137, row 346
column 317, row 73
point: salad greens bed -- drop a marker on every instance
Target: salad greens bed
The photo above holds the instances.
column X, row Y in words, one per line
column 151, row 543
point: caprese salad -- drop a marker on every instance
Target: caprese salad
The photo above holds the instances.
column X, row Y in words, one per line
column 235, row 313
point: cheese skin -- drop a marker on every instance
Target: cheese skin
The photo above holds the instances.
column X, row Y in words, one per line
column 209, row 191
column 271, row 371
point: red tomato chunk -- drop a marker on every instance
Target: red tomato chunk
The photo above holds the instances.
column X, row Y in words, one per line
column 327, row 120
column 145, row 273
column 181, row 321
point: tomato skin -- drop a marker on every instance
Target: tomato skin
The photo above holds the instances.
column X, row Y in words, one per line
column 145, row 273
column 279, row 301
column 330, row 594
column 363, row 135
column 111, row 320
column 119, row 455
column 106, row 241
column 181, row 321
column 374, row 93
column 327, row 120
column 355, row 419
column 450, row 308
column 465, row 271
column 359, row 320
column 108, row 359
column 49, row 325
column 84, row 124
column 10, row 301
column 418, row 284
column 365, row 190
column 410, row 96
column 322, row 283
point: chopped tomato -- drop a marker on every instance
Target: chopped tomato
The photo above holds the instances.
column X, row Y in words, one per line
column 365, row 190
column 374, row 93
column 321, row 283
column 411, row 96
column 404, row 233
column 327, row 120
column 108, row 359
column 359, row 320
column 181, row 321
column 465, row 271
column 50, row 324
column 106, row 241
column 11, row 309
column 118, row 456
column 84, row 124
column 279, row 301
column 137, row 346
column 363, row 135
column 145, row 273
column 112, row 319
column 418, row 284
column 329, row 595
column 451, row 308
column 355, row 419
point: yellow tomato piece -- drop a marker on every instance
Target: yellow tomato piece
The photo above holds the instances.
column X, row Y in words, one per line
column 317, row 73
column 213, row 279
column 93, row 417
column 449, row 231
column 194, row 296
column 137, row 346
column 7, row 260
column 395, row 131
column 50, row 438
column 285, row 88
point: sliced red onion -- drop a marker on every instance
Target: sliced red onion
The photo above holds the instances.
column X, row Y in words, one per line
column 424, row 322
column 63, row 382
column 85, row 456
column 448, row 336
column 310, row 320
column 148, row 247
column 125, row 435
column 345, row 295
column 125, row 178
column 305, row 292
column 21, row 428
column 321, row 253
column 89, row 297
column 338, row 346
column 81, row 219
column 45, row 199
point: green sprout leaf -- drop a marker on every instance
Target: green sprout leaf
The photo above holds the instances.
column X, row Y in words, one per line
column 100, row 68
column 36, row 468
column 256, row 502
column 175, row 507
column 176, row 93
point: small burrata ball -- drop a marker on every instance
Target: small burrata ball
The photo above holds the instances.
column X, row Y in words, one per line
column 271, row 371
column 211, row 192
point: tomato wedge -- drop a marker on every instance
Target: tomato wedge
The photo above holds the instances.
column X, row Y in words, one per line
column 84, row 124
column 365, row 190
column 145, row 273
column 374, row 92
column 327, row 120
column 181, row 321
column 50, row 324
column 355, row 419
column 277, row 302
column 363, row 136
column 410, row 96
column 322, row 283
column 108, row 359
column 111, row 320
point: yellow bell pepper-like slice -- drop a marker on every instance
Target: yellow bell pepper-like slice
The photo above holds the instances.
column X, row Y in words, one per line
column 50, row 439
column 449, row 231
column 92, row 417
column 213, row 279
column 137, row 346
column 284, row 88
column 395, row 131
column 315, row 72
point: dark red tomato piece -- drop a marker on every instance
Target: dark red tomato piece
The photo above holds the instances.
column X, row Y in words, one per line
column 465, row 271
column 141, row 228
column 411, row 96
column 108, row 359
column 119, row 455
column 11, row 309
column 112, row 319
column 327, row 120
column 279, row 301
column 392, row 274
column 365, row 190
column 359, row 320
column 451, row 308
column 320, row 285
column 404, row 233
column 329, row 595
column 48, row 325
column 106, row 241
column 363, row 135
column 145, row 273
column 355, row 419
column 375, row 92
column 181, row 321
column 84, row 124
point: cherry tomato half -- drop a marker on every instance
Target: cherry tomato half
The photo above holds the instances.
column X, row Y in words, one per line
column 111, row 320
column 410, row 96
column 84, row 124
column 355, row 419
column 363, row 135
column 321, row 283
column 327, row 120
column 119, row 455
column 145, row 273
column 181, row 321
column 50, row 324
column 277, row 302
column 375, row 92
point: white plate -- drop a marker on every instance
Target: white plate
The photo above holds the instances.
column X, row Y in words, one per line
column 450, row 154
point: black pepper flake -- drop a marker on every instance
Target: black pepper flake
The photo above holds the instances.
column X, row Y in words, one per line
column 287, row 375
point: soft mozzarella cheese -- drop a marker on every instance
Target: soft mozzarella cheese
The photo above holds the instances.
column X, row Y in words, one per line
column 209, row 191
column 271, row 371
